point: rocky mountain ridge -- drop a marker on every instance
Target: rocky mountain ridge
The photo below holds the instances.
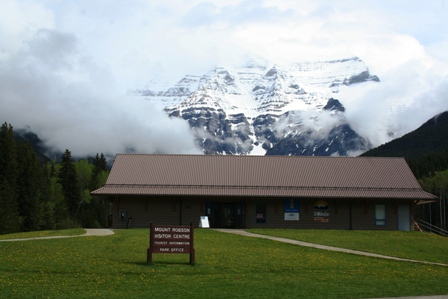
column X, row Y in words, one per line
column 269, row 109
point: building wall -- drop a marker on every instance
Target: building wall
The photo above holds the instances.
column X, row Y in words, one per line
column 330, row 214
column 337, row 216
column 142, row 211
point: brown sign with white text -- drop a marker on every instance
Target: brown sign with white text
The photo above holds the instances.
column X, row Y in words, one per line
column 171, row 239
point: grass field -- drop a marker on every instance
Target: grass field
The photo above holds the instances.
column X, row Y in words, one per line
column 411, row 245
column 227, row 266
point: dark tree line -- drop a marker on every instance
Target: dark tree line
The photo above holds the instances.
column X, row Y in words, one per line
column 36, row 195
column 432, row 172
column 428, row 140
column 428, row 165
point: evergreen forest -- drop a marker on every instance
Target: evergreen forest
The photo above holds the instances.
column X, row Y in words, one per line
column 39, row 194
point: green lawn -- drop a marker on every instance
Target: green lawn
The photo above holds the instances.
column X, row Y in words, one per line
column 412, row 245
column 227, row 266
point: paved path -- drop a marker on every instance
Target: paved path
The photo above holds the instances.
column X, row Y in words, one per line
column 98, row 232
column 417, row 297
column 331, row 248
column 89, row 232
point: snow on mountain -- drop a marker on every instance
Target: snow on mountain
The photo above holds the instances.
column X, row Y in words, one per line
column 268, row 109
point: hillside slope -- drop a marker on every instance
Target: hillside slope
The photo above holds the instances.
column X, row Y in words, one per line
column 431, row 137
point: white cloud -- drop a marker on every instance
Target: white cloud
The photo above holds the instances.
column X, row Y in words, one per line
column 410, row 94
column 63, row 63
column 19, row 21
column 71, row 102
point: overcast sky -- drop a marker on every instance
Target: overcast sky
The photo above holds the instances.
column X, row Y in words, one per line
column 66, row 66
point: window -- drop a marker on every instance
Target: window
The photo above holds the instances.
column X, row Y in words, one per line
column 260, row 213
column 380, row 214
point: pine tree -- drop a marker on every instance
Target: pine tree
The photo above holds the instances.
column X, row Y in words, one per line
column 29, row 188
column 58, row 205
column 99, row 167
column 99, row 177
column 69, row 181
column 86, row 212
column 9, row 213
column 49, row 219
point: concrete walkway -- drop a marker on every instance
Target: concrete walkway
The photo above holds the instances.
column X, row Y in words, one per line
column 323, row 247
column 89, row 232
column 417, row 297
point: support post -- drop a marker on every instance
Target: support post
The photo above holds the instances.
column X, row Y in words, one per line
column 151, row 244
column 350, row 211
column 192, row 253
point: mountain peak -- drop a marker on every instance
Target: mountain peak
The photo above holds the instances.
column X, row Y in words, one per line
column 248, row 109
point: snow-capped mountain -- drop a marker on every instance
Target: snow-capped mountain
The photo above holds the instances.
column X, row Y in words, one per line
column 268, row 109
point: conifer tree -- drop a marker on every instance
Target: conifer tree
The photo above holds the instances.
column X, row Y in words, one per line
column 99, row 177
column 29, row 188
column 99, row 168
column 58, row 205
column 48, row 203
column 69, row 182
column 9, row 213
column 86, row 211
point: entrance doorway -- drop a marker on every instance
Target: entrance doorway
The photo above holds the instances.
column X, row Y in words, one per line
column 404, row 222
column 225, row 215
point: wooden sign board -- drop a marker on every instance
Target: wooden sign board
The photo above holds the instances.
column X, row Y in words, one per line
column 171, row 239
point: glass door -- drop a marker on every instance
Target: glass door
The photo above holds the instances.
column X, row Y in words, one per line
column 225, row 215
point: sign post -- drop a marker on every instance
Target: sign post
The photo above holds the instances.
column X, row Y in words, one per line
column 171, row 239
column 203, row 223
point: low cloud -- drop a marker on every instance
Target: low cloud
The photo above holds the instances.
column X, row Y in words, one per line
column 316, row 122
column 72, row 103
column 409, row 96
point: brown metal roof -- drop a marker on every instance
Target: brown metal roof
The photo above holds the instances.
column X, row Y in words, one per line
column 298, row 176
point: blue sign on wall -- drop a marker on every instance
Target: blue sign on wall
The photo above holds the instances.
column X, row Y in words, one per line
column 291, row 205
